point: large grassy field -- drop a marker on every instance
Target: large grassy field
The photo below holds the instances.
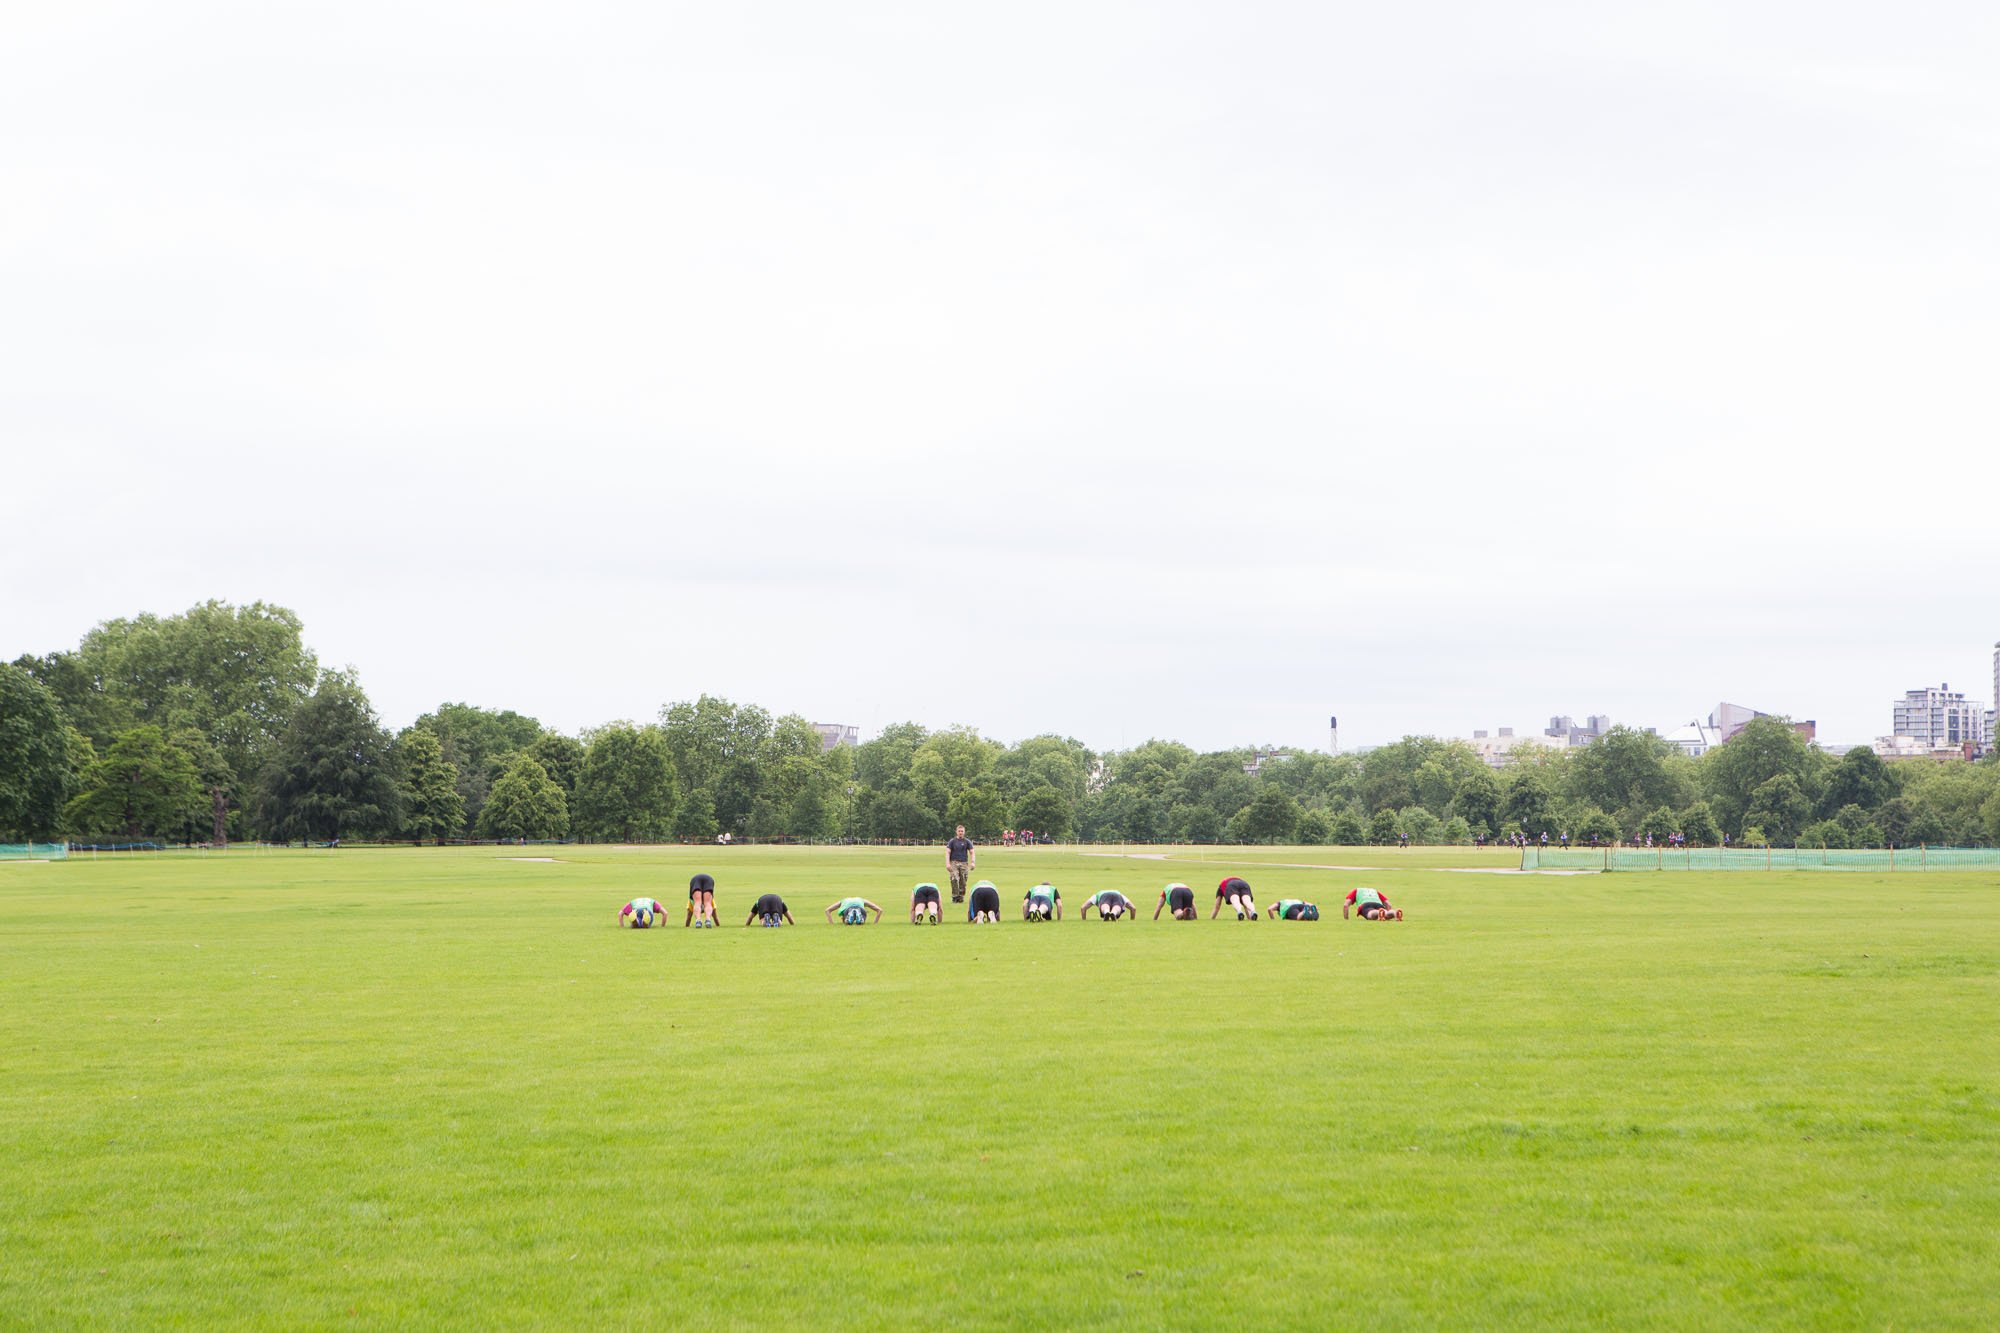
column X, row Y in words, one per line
column 441, row 1087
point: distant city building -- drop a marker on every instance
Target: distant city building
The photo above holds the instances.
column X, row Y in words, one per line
column 1697, row 738
column 1993, row 721
column 832, row 734
column 1566, row 730
column 1497, row 748
column 1906, row 747
column 1941, row 717
column 1260, row 757
column 1693, row 739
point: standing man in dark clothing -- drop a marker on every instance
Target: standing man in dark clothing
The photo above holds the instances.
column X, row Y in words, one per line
column 960, row 859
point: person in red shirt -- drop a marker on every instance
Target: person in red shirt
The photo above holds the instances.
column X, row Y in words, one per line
column 1234, row 891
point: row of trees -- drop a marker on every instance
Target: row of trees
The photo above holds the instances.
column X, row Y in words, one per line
column 219, row 723
column 1767, row 784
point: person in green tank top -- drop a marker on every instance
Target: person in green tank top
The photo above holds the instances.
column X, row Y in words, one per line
column 1372, row 904
column 1109, row 904
column 1043, row 903
column 1295, row 909
column 853, row 911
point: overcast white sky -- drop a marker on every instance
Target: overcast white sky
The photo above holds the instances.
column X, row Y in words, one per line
column 1193, row 370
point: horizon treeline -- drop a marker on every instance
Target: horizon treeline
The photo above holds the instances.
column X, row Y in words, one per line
column 220, row 724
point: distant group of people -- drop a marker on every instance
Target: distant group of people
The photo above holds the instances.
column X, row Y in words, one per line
column 1042, row 902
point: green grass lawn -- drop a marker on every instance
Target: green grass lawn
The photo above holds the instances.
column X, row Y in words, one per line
column 440, row 1087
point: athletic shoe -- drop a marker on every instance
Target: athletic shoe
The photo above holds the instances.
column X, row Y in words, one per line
column 1239, row 916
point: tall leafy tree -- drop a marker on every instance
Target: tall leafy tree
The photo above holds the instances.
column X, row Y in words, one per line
column 524, row 802
column 1194, row 823
column 1477, row 800
column 432, row 807
column 143, row 785
column 562, row 758
column 479, row 743
column 1596, row 825
column 896, row 814
column 1346, row 828
column 218, row 785
column 1698, row 825
column 1043, row 809
column 1419, row 825
column 235, row 674
column 708, row 737
column 332, row 774
column 883, row 764
column 1860, row 778
column 1060, row 762
column 44, row 761
column 626, row 790
column 1530, row 801
column 1765, row 748
column 1660, row 825
column 1628, row 773
column 1778, row 807
column 981, row 808
column 948, row 762
column 1272, row 817
column 1394, row 775
column 694, row 816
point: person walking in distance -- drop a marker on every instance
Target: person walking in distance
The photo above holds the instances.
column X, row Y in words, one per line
column 960, row 859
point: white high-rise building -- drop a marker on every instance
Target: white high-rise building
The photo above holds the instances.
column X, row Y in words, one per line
column 1940, row 717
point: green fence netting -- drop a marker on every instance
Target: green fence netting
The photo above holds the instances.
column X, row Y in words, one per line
column 1761, row 858
column 32, row 851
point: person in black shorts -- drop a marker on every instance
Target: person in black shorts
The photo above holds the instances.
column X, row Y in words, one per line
column 985, row 905
column 924, row 904
column 1236, row 893
column 1178, row 899
column 959, row 860
column 1109, row 905
column 701, row 901
column 771, row 910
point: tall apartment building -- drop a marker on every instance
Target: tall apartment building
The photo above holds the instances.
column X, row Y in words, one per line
column 1940, row 717
column 1566, row 730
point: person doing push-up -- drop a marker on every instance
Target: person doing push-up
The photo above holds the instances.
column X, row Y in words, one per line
column 1109, row 905
column 1235, row 893
column 1372, row 905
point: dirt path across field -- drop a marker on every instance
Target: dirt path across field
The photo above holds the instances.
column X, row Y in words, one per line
column 1309, row 865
